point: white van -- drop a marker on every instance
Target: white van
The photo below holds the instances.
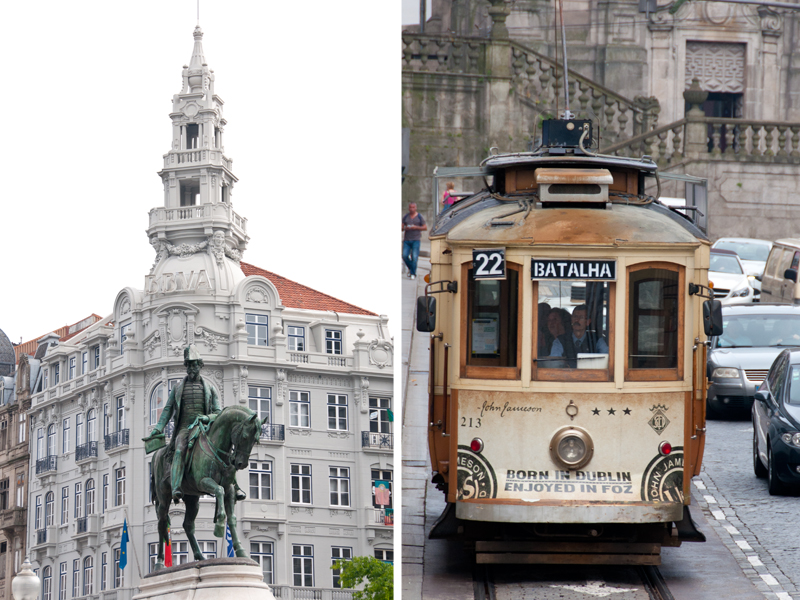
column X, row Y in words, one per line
column 779, row 281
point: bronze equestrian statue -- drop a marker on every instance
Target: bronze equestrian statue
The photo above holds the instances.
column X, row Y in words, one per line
column 208, row 446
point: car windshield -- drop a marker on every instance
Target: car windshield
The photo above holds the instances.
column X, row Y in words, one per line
column 725, row 264
column 746, row 250
column 759, row 331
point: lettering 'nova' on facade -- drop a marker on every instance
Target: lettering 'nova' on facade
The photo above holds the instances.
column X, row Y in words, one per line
column 317, row 370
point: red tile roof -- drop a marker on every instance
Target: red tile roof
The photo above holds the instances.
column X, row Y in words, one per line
column 63, row 333
column 296, row 295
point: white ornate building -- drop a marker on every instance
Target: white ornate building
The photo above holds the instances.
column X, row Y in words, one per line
column 318, row 371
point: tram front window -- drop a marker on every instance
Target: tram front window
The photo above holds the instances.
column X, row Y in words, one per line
column 492, row 321
column 573, row 325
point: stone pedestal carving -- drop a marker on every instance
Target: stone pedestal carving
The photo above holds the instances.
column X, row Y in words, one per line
column 212, row 579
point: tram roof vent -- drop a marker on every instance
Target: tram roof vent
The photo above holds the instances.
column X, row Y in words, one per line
column 573, row 185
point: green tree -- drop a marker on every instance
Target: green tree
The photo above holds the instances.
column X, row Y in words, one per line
column 376, row 575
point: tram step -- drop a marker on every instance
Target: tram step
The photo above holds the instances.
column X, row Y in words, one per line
column 559, row 553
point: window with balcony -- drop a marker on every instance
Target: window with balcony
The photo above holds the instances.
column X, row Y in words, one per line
column 303, row 565
column 339, row 553
column 333, row 341
column 299, row 409
column 340, row 486
column 261, row 480
column 337, row 412
column 89, row 497
column 264, row 554
column 301, row 484
column 257, row 329
column 296, row 338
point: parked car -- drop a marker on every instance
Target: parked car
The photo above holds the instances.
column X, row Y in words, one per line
column 753, row 253
column 776, row 425
column 731, row 284
column 738, row 360
column 779, row 282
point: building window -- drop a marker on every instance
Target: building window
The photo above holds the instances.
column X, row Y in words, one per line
column 91, row 432
column 379, row 411
column 38, row 514
column 156, row 403
column 56, row 373
column 78, row 430
column 49, row 509
column 51, row 440
column 263, row 554
column 122, row 332
column 47, row 583
column 4, row 494
column 44, row 379
column 260, row 402
column 20, row 489
column 333, row 341
column 76, row 579
column 340, row 486
column 303, row 565
column 3, row 434
column 103, row 570
column 71, row 369
column 338, row 553
column 78, row 500
column 180, row 553
column 120, row 494
column 386, row 556
column 64, row 505
column 39, row 443
column 21, row 434
column 62, row 581
column 301, row 484
column 337, row 412
column 105, row 493
column 119, row 576
column 299, row 409
column 209, row 549
column 65, row 437
column 296, row 338
column 153, row 548
column 381, row 488
column 261, row 480
column 120, row 410
column 84, row 363
column 96, row 360
column 89, row 497
column 257, row 333
column 88, row 576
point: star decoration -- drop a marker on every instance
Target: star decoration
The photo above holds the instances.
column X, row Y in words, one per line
column 611, row 411
column 596, row 411
column 627, row 411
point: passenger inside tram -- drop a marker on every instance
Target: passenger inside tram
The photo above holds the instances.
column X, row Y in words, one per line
column 580, row 340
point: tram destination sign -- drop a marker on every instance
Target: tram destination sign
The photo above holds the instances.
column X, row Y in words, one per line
column 489, row 263
column 579, row 269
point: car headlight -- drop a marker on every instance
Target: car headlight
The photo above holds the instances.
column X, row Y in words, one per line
column 791, row 438
column 741, row 291
column 725, row 373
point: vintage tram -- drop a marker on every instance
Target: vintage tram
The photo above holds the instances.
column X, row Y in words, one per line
column 568, row 312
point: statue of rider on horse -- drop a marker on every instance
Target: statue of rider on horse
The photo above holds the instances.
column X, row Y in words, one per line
column 208, row 446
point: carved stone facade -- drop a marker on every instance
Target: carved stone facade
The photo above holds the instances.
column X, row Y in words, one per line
column 294, row 361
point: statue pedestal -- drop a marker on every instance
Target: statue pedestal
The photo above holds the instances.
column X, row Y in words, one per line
column 212, row 579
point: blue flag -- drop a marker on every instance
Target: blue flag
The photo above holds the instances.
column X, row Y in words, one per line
column 123, row 549
column 229, row 539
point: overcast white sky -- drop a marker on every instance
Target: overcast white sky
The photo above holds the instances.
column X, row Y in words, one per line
column 312, row 100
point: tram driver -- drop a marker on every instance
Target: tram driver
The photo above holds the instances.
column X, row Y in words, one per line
column 581, row 340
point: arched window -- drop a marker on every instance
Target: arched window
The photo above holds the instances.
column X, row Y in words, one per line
column 88, row 576
column 91, row 432
column 49, row 507
column 51, row 440
column 157, row 401
column 89, row 497
column 47, row 583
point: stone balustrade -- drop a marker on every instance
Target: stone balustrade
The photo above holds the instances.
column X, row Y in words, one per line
column 201, row 211
column 444, row 54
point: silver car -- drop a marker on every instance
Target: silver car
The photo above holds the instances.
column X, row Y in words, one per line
column 738, row 360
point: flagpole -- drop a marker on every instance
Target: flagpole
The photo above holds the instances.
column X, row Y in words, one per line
column 135, row 557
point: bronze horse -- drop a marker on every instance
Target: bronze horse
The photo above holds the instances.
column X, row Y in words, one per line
column 211, row 469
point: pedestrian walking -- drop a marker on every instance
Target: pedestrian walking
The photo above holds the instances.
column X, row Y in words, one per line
column 413, row 226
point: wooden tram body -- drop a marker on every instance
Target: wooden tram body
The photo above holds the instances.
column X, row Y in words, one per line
column 578, row 231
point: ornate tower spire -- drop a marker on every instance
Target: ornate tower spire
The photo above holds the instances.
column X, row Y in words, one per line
column 197, row 216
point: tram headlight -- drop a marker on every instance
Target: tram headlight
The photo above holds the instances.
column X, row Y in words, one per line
column 571, row 447
column 725, row 373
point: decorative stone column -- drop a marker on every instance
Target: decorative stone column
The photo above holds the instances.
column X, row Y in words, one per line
column 696, row 127
column 499, row 12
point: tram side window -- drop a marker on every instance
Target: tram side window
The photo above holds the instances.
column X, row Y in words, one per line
column 654, row 314
column 574, row 326
column 492, row 321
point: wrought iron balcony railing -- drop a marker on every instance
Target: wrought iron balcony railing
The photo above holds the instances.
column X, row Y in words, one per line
column 117, row 439
column 82, row 524
column 41, row 536
column 87, row 450
column 271, row 432
column 44, row 465
column 371, row 439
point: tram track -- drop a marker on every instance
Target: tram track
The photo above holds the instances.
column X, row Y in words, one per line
column 496, row 582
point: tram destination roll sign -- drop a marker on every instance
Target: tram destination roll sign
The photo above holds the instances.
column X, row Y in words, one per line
column 568, row 268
